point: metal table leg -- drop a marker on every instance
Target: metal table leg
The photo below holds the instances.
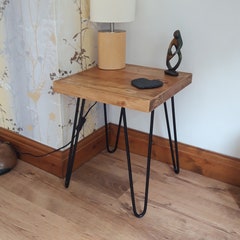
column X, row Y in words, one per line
column 141, row 214
column 123, row 117
column 106, row 131
column 174, row 151
column 174, row 154
column 78, row 123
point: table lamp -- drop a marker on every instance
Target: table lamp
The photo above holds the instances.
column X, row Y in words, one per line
column 112, row 43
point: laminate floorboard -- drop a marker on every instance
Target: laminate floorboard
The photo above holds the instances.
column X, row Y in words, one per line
column 97, row 205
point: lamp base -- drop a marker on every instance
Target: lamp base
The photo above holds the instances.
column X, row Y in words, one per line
column 111, row 50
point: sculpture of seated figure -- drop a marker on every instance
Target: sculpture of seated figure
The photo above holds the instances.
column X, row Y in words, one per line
column 174, row 51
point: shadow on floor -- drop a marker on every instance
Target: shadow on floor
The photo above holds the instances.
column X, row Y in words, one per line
column 235, row 192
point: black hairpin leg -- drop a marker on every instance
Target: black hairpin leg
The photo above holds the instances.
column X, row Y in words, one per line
column 78, row 123
column 139, row 215
column 174, row 154
column 106, row 131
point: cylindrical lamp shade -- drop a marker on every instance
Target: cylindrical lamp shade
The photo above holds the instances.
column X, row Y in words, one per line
column 112, row 11
column 111, row 50
column 112, row 45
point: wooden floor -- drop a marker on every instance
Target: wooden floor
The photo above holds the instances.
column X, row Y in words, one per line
column 35, row 204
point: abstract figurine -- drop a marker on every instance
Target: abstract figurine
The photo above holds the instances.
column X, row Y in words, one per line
column 174, row 51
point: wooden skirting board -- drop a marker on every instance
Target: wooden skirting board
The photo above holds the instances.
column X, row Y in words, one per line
column 207, row 163
column 56, row 162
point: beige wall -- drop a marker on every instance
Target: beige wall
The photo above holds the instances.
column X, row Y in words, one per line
column 208, row 111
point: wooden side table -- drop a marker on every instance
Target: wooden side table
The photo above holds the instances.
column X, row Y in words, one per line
column 114, row 87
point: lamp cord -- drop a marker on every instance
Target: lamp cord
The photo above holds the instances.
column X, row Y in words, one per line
column 58, row 149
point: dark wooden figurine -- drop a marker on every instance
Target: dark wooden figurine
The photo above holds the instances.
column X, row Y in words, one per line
column 174, row 51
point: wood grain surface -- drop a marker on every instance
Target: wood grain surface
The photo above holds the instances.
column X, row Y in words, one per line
column 114, row 87
column 35, row 204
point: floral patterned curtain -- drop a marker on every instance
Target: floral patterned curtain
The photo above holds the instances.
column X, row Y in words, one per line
column 41, row 41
